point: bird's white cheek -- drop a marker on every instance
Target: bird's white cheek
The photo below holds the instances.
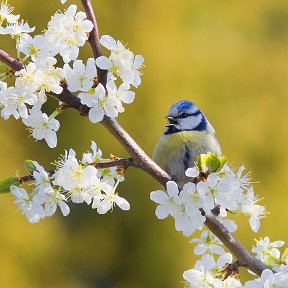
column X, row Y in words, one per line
column 189, row 123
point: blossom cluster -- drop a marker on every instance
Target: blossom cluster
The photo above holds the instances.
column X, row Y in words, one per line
column 268, row 253
column 73, row 180
column 207, row 272
column 43, row 74
column 226, row 189
column 214, row 186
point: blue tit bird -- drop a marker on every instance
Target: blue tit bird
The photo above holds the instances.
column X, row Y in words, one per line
column 187, row 135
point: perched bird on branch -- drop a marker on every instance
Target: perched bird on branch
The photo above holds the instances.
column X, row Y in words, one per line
column 187, row 135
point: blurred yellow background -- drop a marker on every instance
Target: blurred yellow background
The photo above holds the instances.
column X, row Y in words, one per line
column 231, row 59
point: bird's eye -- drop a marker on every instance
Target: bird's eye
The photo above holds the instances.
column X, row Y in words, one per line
column 184, row 115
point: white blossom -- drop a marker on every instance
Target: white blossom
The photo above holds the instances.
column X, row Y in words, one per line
column 268, row 252
column 51, row 200
column 13, row 101
column 41, row 75
column 208, row 243
column 42, row 179
column 269, row 279
column 107, row 200
column 67, row 32
column 15, row 30
column 201, row 278
column 75, row 178
column 207, row 191
column 31, row 209
column 255, row 211
column 122, row 94
column 42, row 127
column 80, row 77
column 6, row 13
column 121, row 62
column 175, row 204
column 94, row 157
column 100, row 104
column 165, row 200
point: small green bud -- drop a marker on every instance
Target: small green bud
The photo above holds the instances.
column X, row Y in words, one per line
column 7, row 182
column 29, row 166
column 212, row 162
column 200, row 161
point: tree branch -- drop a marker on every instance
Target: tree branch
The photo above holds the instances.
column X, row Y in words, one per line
column 94, row 40
column 119, row 162
column 242, row 255
column 10, row 61
column 140, row 158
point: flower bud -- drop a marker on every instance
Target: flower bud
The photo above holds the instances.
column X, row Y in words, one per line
column 7, row 182
column 29, row 166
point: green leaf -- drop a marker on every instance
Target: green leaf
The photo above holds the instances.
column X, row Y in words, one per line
column 29, row 166
column 7, row 182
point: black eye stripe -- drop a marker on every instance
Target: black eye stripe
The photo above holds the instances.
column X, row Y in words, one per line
column 185, row 115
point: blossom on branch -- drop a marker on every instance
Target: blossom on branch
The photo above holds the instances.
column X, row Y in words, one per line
column 121, row 62
column 80, row 77
column 73, row 180
column 225, row 189
column 42, row 127
column 67, row 32
column 6, row 14
column 13, row 101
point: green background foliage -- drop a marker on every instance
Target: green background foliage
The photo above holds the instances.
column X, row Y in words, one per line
column 231, row 59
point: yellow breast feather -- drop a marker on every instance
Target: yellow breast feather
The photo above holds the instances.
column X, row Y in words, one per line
column 183, row 148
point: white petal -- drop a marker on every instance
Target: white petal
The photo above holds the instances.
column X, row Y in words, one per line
column 200, row 249
column 159, row 196
column 96, row 114
column 128, row 97
column 50, row 208
column 138, row 61
column 161, row 212
column 108, row 42
column 104, row 207
column 64, row 208
column 230, row 225
column 103, row 63
column 225, row 258
column 192, row 172
column 122, row 203
column 216, row 249
column 172, row 188
column 19, row 193
column 51, row 138
column 254, row 224
column 192, row 275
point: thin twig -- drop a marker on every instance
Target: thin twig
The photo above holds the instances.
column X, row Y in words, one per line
column 10, row 61
column 119, row 162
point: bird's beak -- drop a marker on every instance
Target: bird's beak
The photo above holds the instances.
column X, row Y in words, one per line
column 171, row 120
